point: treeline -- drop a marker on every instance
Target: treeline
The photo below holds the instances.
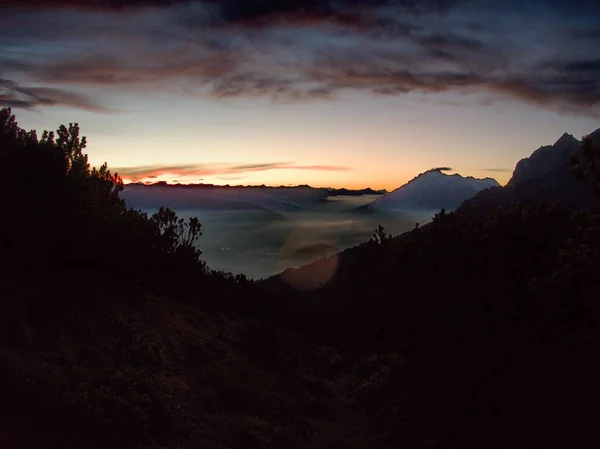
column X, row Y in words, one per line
column 64, row 218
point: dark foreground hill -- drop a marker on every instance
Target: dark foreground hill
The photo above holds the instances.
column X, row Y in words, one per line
column 473, row 332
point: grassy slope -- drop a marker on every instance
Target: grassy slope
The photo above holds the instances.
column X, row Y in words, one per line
column 99, row 367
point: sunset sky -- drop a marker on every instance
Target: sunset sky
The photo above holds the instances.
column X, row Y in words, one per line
column 328, row 93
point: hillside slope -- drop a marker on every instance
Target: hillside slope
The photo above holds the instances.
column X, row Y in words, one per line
column 475, row 331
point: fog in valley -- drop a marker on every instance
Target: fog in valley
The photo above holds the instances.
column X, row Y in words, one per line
column 263, row 242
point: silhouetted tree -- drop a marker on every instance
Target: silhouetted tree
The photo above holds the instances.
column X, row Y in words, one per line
column 177, row 235
column 66, row 211
column 379, row 235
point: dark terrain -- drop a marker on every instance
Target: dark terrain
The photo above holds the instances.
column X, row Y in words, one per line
column 478, row 330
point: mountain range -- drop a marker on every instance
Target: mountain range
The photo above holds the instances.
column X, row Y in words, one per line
column 430, row 191
column 181, row 197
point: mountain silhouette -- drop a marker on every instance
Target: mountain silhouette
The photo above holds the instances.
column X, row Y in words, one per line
column 545, row 175
column 595, row 137
column 544, row 160
column 432, row 190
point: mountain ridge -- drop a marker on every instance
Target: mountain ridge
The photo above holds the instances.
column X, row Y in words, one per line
column 331, row 190
column 544, row 160
column 545, row 175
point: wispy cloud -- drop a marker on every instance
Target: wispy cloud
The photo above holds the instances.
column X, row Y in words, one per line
column 228, row 171
column 15, row 95
column 496, row 170
column 231, row 178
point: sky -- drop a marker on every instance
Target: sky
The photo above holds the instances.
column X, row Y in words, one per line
column 341, row 93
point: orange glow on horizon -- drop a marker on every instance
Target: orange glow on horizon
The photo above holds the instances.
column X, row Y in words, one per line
column 174, row 179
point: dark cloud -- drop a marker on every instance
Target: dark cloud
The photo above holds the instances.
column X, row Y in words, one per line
column 259, row 11
column 568, row 87
column 254, row 85
column 563, row 91
column 590, row 65
column 580, row 67
column 590, row 34
column 359, row 14
column 104, row 70
column 388, row 28
column 392, row 82
column 89, row 4
column 450, row 43
column 442, row 169
column 294, row 50
column 572, row 86
column 14, row 95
